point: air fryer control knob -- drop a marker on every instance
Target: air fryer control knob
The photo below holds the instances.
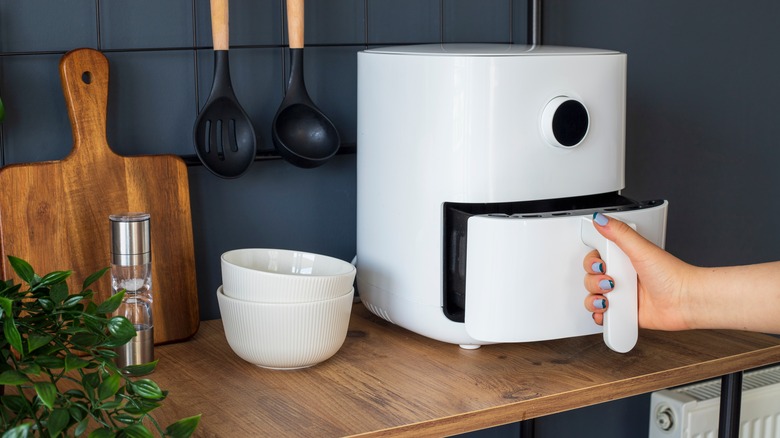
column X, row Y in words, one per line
column 565, row 122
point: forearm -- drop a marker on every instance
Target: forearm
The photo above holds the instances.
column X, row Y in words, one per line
column 738, row 297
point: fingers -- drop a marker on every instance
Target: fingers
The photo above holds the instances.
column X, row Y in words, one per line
column 593, row 263
column 597, row 283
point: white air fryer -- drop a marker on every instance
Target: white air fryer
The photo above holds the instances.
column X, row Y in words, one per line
column 478, row 172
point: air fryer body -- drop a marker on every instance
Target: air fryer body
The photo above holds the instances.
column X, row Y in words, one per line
column 466, row 147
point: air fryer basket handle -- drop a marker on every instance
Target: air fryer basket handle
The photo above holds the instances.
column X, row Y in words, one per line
column 621, row 324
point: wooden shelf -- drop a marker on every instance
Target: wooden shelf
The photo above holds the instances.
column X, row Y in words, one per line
column 388, row 381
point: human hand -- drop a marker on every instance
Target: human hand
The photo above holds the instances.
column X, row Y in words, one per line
column 661, row 278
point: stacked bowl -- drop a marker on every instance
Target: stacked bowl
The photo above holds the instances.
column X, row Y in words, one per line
column 284, row 309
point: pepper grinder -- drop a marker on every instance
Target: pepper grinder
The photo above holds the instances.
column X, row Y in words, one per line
column 131, row 271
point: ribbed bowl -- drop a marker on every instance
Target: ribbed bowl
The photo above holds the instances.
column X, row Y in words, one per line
column 285, row 335
column 284, row 276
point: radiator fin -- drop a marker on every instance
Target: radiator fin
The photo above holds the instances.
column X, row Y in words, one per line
column 691, row 411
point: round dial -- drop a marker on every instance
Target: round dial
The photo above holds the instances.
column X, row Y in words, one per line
column 565, row 122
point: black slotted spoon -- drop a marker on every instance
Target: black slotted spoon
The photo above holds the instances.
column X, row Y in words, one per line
column 225, row 139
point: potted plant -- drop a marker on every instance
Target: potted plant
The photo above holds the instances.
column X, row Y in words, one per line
column 57, row 360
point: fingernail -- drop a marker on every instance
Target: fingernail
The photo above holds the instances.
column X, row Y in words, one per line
column 597, row 267
column 600, row 303
column 600, row 219
column 606, row 284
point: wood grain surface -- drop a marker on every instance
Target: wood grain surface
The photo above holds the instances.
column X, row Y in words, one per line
column 55, row 214
column 386, row 381
column 295, row 23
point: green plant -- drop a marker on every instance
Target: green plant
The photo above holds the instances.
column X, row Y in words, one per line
column 58, row 353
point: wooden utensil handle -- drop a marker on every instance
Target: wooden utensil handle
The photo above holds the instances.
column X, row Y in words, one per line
column 220, row 27
column 84, row 76
column 295, row 23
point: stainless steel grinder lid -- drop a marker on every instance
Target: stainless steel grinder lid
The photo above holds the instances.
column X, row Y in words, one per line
column 130, row 240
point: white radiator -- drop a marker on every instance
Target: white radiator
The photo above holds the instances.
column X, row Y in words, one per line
column 692, row 411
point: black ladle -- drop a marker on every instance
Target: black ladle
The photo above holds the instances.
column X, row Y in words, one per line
column 224, row 136
column 302, row 134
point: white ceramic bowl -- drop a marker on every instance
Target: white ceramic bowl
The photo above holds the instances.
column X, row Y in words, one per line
column 285, row 335
column 284, row 276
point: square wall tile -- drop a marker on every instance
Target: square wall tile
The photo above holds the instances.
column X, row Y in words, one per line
column 469, row 21
column 252, row 22
column 140, row 24
column 65, row 25
column 151, row 102
column 404, row 21
column 333, row 22
column 36, row 126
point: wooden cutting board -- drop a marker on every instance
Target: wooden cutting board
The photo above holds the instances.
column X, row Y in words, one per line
column 55, row 214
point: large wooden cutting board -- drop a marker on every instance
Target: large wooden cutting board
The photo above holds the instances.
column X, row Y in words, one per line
column 55, row 214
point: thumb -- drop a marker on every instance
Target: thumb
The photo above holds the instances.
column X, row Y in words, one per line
column 625, row 237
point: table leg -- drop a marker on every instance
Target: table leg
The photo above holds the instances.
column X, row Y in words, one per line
column 730, row 404
column 528, row 428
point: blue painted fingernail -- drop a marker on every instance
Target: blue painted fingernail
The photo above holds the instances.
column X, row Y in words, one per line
column 600, row 303
column 597, row 267
column 606, row 284
column 600, row 219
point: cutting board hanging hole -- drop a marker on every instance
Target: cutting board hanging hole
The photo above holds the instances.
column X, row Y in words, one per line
column 86, row 77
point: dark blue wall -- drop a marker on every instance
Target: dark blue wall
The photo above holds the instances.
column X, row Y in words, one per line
column 701, row 117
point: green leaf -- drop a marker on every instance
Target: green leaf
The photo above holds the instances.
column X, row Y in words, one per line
column 73, row 362
column 147, row 389
column 15, row 403
column 13, row 378
column 47, row 392
column 109, row 386
column 102, row 433
column 31, row 369
column 111, row 304
column 140, row 370
column 22, row 269
column 137, row 431
column 90, row 381
column 72, row 301
column 6, row 306
column 12, row 333
column 125, row 418
column 81, row 427
column 95, row 325
column 36, row 341
column 20, row 431
column 121, row 328
column 94, row 277
column 46, row 304
column 75, row 393
column 51, row 362
column 53, row 278
column 183, row 428
column 58, row 421
column 113, row 404
column 141, row 406
column 107, row 354
column 84, row 339
column 58, row 292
